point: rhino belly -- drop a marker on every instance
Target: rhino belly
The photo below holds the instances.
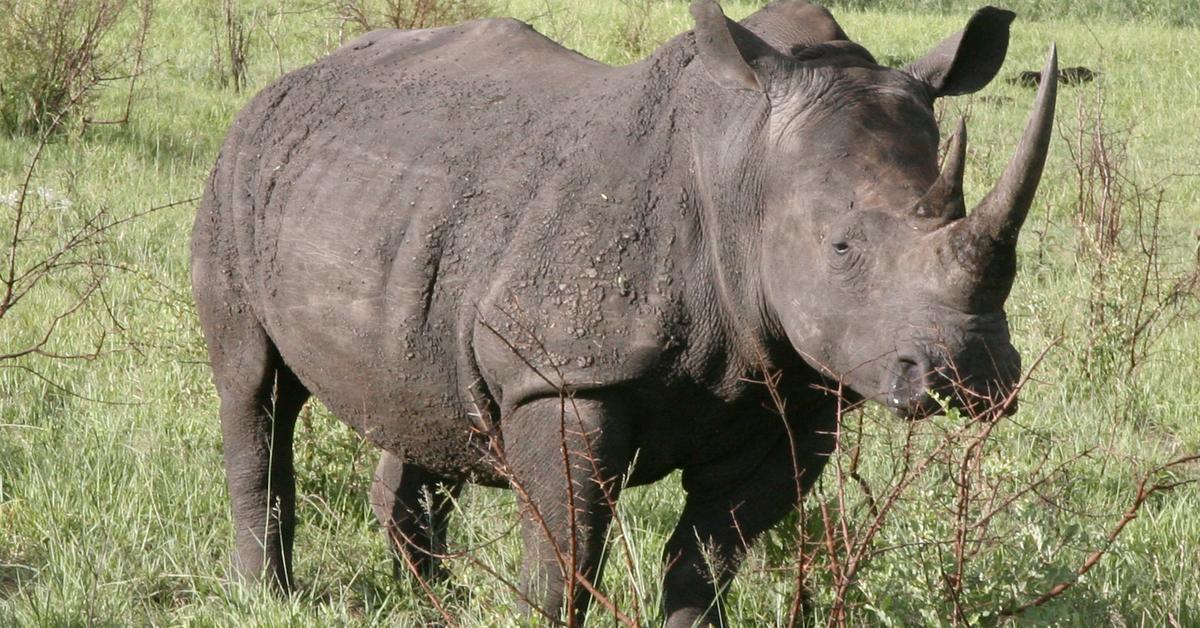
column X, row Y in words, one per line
column 399, row 393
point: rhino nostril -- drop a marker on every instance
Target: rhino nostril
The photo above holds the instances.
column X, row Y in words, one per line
column 910, row 384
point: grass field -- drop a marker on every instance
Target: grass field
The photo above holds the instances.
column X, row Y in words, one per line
column 113, row 508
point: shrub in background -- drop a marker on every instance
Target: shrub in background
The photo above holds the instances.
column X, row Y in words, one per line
column 366, row 15
column 53, row 56
column 230, row 45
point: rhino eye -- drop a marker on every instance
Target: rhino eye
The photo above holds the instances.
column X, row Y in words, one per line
column 841, row 247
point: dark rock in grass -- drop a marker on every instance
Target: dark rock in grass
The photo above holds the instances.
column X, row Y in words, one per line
column 1076, row 75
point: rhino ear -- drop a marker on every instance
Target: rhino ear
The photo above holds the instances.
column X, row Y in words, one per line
column 967, row 61
column 727, row 49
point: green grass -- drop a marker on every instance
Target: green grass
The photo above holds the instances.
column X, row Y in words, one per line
column 112, row 500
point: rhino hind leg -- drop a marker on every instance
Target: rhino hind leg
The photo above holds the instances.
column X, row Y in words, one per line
column 565, row 458
column 413, row 508
column 260, row 400
column 257, row 422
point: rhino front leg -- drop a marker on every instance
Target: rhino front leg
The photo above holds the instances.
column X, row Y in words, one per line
column 724, row 513
column 565, row 458
column 707, row 548
column 413, row 507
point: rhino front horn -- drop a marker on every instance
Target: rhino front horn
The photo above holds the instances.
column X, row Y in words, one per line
column 989, row 233
column 1001, row 213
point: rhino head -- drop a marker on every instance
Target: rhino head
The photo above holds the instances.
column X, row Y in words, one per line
column 865, row 257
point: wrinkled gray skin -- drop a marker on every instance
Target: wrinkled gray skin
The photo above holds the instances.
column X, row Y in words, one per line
column 441, row 233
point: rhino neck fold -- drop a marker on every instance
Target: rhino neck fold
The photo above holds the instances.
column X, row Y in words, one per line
column 713, row 154
column 725, row 198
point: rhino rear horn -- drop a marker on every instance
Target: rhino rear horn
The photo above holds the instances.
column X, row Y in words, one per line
column 945, row 197
column 727, row 48
column 966, row 61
